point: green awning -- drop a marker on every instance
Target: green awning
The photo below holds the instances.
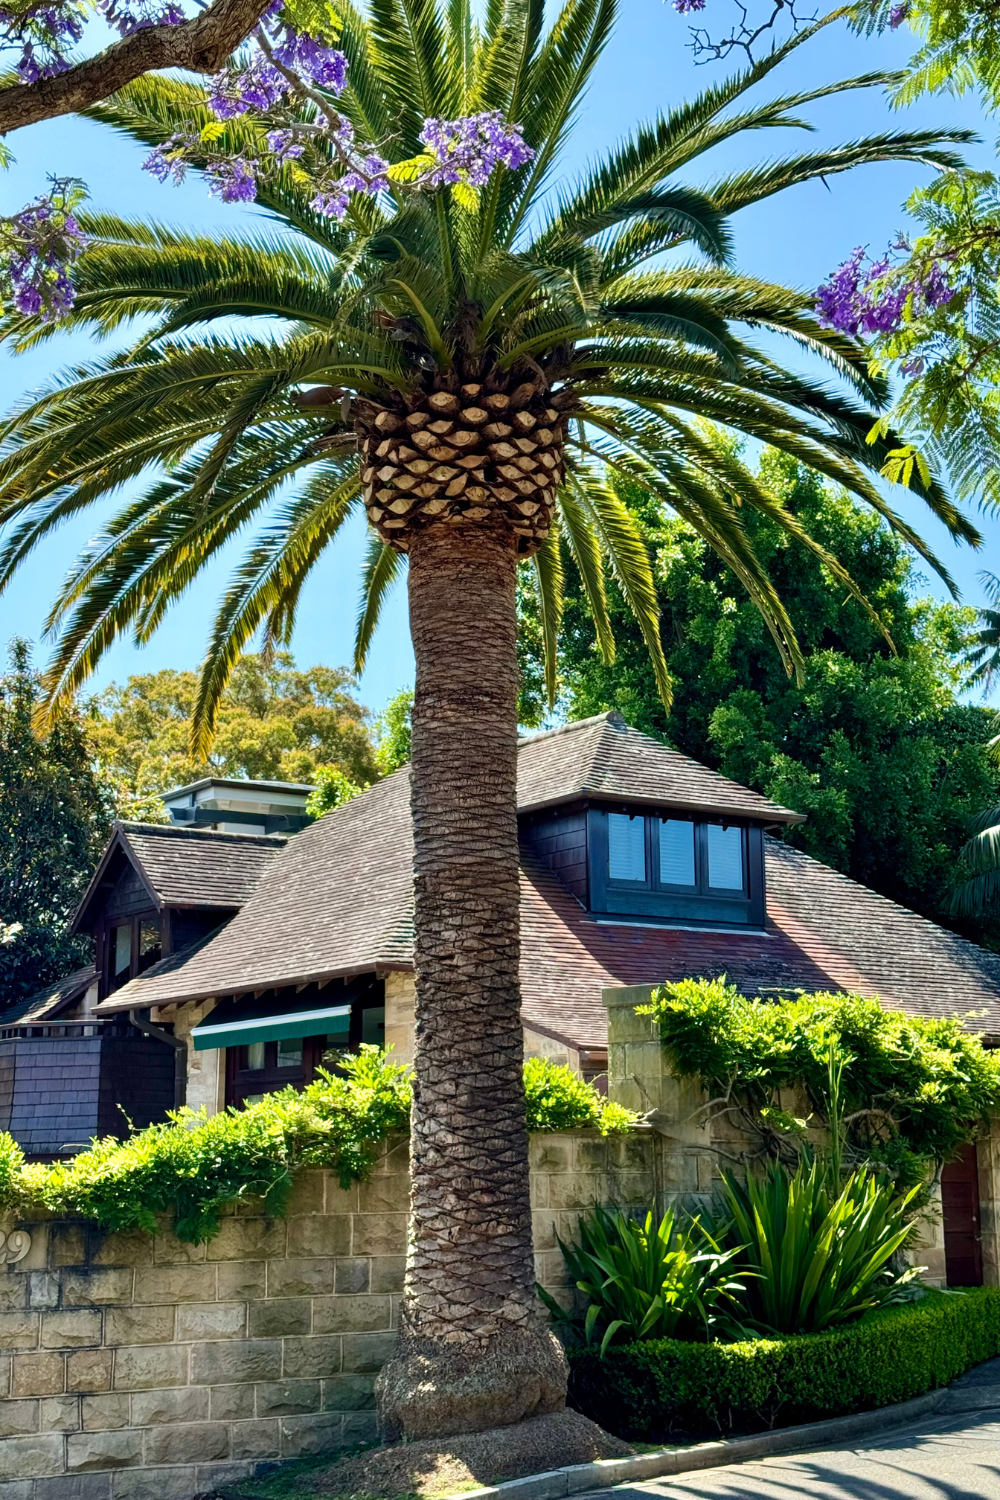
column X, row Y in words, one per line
column 236, row 1023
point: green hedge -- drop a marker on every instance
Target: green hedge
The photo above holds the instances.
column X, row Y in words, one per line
column 661, row 1388
column 193, row 1166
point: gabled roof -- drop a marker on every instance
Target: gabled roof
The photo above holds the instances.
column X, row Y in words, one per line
column 339, row 901
column 47, row 1004
column 603, row 758
column 181, row 866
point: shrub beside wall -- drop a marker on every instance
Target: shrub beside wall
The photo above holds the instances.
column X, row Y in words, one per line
column 664, row 1387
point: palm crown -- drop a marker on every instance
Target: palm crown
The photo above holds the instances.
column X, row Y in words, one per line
column 560, row 305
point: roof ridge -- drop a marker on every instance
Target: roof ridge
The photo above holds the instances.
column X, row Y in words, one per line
column 610, row 716
column 177, row 830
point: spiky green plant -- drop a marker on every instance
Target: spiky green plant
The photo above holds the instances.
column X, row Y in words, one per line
column 646, row 1280
column 815, row 1249
column 605, row 315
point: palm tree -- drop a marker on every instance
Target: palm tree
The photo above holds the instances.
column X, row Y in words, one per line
column 477, row 375
column 982, row 652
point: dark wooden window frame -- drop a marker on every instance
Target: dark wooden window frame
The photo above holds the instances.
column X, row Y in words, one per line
column 243, row 1082
column 655, row 900
column 105, row 946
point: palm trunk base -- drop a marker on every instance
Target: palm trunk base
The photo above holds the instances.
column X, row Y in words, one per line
column 431, row 1389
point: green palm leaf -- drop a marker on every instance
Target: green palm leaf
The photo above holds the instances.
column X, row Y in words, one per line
column 223, row 429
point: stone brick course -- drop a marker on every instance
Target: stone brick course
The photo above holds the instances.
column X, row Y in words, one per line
column 138, row 1367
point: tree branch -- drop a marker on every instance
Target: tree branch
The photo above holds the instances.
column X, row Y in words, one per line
column 199, row 46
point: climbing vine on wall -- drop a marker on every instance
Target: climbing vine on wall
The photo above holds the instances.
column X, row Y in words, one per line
column 913, row 1089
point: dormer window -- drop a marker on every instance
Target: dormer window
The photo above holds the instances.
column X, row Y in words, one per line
column 675, row 867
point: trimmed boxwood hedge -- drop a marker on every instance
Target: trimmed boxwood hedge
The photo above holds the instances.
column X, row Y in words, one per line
column 662, row 1387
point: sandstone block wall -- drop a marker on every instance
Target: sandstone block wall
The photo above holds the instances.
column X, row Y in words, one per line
column 690, row 1151
column 138, row 1367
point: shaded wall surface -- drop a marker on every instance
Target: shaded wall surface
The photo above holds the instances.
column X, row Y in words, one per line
column 60, row 1085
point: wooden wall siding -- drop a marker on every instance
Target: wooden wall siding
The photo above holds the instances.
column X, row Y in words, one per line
column 62, row 1090
column 128, row 898
column 561, row 841
column 189, row 927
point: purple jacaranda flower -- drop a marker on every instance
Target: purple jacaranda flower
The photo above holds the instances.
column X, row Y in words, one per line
column 898, row 15
column 128, row 16
column 684, row 7
column 331, row 202
column 40, row 244
column 312, row 60
column 283, row 145
column 234, row 181
column 166, row 163
column 856, row 300
column 259, row 86
column 470, row 148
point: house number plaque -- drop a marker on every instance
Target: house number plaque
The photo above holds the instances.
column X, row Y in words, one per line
column 14, row 1246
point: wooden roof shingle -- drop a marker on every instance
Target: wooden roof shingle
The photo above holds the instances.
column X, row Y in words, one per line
column 183, row 866
column 338, row 901
column 603, row 758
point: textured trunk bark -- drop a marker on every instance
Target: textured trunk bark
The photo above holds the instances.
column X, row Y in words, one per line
column 473, row 1351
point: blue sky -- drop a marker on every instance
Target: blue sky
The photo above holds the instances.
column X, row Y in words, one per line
column 796, row 238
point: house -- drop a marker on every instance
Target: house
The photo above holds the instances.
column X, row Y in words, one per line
column 637, row 865
column 67, row 1072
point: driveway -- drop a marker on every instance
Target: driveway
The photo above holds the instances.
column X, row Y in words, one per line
column 953, row 1455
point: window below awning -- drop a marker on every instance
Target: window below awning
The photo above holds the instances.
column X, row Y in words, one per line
column 238, row 1023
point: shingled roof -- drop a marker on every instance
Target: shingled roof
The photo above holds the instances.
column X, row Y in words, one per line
column 603, row 758
column 184, row 866
column 824, row 932
column 47, row 1004
column 338, row 901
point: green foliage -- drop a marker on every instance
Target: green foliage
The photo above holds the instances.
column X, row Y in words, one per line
column 650, row 1390
column 915, row 1088
column 332, row 790
column 393, row 728
column 812, row 1251
column 950, row 405
column 643, row 1280
column 950, row 357
column 274, row 722
column 557, row 1099
column 200, row 421
column 875, row 748
column 194, row 1165
column 55, row 815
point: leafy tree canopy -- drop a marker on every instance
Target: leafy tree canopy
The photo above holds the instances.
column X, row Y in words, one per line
column 275, row 722
column 875, row 748
column 54, row 817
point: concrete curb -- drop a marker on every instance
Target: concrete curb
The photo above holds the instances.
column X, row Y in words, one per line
column 576, row 1479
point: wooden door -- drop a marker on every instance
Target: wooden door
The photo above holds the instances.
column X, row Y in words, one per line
column 960, row 1201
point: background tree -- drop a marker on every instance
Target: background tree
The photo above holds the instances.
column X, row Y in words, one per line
column 877, row 749
column 55, row 815
column 469, row 357
column 393, row 731
column 275, row 722
column 928, row 304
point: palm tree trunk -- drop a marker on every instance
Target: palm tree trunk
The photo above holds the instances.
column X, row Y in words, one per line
column 473, row 1351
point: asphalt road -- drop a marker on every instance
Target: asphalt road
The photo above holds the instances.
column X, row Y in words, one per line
column 953, row 1455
